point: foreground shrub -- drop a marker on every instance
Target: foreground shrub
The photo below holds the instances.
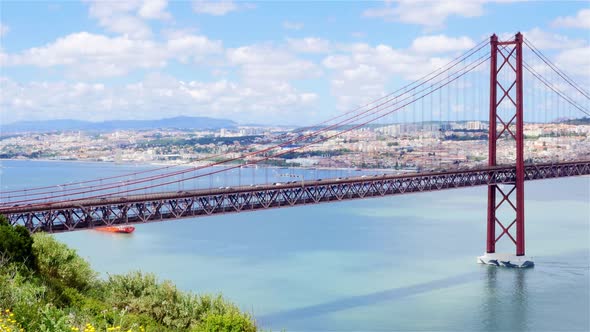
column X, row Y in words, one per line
column 231, row 321
column 60, row 292
column 8, row 321
column 15, row 244
column 19, row 289
column 61, row 264
column 142, row 293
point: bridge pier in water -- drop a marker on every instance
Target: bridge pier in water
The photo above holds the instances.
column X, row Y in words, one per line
column 511, row 124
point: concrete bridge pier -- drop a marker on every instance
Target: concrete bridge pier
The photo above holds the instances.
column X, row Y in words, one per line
column 506, row 260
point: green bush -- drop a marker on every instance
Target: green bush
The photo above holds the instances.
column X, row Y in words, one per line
column 231, row 321
column 60, row 292
column 22, row 293
column 141, row 293
column 19, row 288
column 61, row 265
column 53, row 319
column 15, row 244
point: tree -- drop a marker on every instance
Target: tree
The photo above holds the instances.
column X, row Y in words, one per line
column 16, row 243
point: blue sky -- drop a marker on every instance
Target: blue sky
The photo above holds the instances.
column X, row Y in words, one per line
column 262, row 62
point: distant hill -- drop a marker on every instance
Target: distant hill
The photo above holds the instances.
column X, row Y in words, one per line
column 180, row 122
column 581, row 121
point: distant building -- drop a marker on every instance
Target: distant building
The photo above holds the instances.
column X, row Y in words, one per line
column 475, row 125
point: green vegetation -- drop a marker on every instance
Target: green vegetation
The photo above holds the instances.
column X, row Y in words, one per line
column 193, row 142
column 15, row 244
column 318, row 153
column 277, row 163
column 46, row 286
column 12, row 154
column 454, row 137
column 581, row 121
column 555, row 134
column 476, row 158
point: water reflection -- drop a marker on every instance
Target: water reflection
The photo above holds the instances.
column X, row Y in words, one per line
column 505, row 299
column 491, row 300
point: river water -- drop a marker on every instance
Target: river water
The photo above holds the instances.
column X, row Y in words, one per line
column 382, row 264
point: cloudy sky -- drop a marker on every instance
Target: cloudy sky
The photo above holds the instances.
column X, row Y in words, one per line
column 254, row 62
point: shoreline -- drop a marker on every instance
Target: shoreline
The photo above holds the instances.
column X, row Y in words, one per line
column 250, row 166
column 139, row 163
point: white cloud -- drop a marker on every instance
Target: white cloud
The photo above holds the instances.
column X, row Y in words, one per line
column 195, row 47
column 575, row 62
column 572, row 58
column 3, row 29
column 395, row 61
column 546, row 40
column 49, row 100
column 264, row 64
column 119, row 17
column 87, row 55
column 337, row 61
column 154, row 97
column 129, row 26
column 126, row 17
column 362, row 72
column 216, row 8
column 431, row 14
column 154, row 9
column 83, row 46
column 261, row 93
column 441, row 43
column 309, row 45
column 292, row 25
column 581, row 20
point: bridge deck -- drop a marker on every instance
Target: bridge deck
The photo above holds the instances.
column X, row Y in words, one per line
column 90, row 213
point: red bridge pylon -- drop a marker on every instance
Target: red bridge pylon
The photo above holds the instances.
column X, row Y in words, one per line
column 506, row 63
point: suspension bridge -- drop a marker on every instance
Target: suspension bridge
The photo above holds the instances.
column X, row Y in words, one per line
column 534, row 113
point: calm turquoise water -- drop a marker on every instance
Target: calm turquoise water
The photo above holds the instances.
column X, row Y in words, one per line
column 381, row 264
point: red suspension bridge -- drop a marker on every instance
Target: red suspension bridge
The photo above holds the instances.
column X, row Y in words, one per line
column 457, row 91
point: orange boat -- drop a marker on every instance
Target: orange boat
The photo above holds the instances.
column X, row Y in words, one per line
column 117, row 229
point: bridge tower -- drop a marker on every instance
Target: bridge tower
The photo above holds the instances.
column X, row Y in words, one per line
column 506, row 63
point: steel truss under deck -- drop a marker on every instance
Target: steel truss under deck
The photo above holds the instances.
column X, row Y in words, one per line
column 87, row 214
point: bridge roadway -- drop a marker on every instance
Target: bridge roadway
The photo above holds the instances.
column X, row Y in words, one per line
column 117, row 210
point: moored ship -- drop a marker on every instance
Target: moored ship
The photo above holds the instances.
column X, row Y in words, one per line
column 117, row 229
